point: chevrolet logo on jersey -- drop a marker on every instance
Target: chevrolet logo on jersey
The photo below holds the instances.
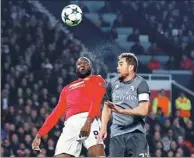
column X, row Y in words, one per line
column 77, row 85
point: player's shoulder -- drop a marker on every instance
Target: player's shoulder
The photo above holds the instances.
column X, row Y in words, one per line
column 140, row 79
column 113, row 81
column 64, row 90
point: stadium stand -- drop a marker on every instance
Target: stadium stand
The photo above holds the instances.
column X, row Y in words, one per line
column 38, row 60
column 173, row 20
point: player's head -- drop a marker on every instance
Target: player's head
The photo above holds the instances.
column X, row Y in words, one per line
column 83, row 67
column 127, row 63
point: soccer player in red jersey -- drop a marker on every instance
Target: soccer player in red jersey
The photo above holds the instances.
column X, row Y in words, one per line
column 80, row 102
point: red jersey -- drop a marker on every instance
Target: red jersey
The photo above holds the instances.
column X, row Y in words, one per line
column 82, row 95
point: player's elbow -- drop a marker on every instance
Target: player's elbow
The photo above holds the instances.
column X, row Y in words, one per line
column 145, row 112
column 144, row 108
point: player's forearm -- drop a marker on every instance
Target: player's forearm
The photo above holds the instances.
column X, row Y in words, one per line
column 141, row 110
column 106, row 115
column 49, row 123
column 89, row 120
column 52, row 120
column 135, row 111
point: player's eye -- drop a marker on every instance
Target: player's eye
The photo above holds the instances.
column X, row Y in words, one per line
column 81, row 63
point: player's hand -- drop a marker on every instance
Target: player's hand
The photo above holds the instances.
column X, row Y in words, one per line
column 85, row 130
column 36, row 143
column 113, row 107
column 102, row 135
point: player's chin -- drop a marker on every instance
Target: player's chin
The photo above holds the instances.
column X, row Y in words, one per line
column 120, row 77
column 83, row 73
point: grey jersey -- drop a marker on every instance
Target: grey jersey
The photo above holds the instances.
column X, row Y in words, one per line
column 126, row 95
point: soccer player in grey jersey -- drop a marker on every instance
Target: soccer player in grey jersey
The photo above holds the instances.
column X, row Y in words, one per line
column 129, row 104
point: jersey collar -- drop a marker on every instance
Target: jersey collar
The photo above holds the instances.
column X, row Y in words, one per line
column 127, row 82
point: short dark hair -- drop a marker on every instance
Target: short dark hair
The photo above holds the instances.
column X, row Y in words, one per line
column 85, row 58
column 131, row 59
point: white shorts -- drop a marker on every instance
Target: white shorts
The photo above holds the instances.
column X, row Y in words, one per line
column 69, row 141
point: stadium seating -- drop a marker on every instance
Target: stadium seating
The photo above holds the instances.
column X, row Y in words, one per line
column 38, row 60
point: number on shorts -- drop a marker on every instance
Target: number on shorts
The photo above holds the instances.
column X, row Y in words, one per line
column 95, row 134
column 144, row 155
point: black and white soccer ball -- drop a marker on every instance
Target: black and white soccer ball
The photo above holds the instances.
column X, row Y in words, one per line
column 71, row 15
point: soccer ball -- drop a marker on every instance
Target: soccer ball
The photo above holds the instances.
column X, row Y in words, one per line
column 71, row 15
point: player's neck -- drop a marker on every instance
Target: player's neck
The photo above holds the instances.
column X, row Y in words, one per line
column 130, row 77
column 84, row 77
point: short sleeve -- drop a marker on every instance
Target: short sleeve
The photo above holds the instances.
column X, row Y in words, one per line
column 108, row 95
column 143, row 92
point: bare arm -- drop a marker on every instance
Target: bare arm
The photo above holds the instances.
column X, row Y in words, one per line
column 144, row 102
column 106, row 115
column 141, row 110
column 106, row 112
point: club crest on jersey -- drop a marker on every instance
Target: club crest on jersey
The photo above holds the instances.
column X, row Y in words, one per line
column 132, row 88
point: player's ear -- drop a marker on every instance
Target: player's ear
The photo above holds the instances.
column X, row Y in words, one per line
column 130, row 67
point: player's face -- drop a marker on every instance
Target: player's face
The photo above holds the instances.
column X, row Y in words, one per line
column 83, row 68
column 123, row 68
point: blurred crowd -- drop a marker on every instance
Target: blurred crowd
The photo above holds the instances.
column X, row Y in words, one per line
column 170, row 137
column 170, row 131
column 38, row 59
column 173, row 20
